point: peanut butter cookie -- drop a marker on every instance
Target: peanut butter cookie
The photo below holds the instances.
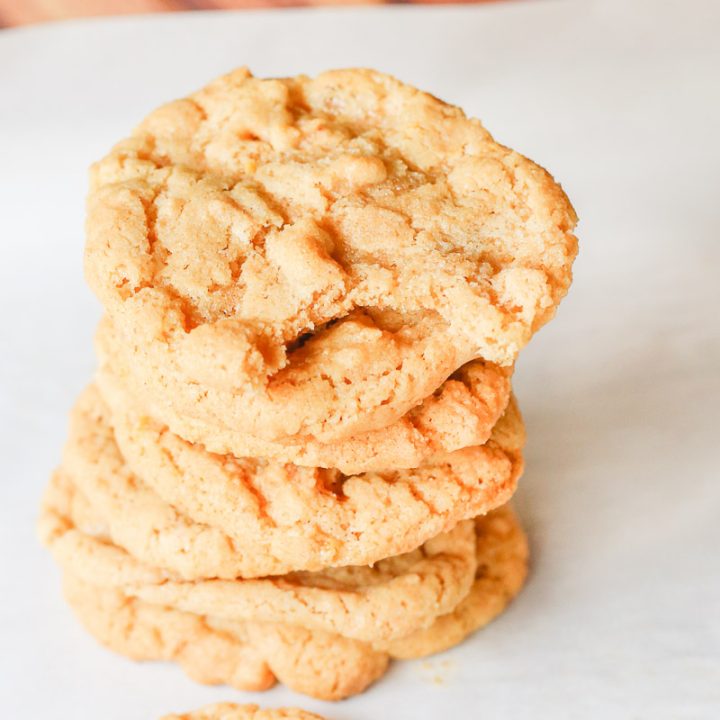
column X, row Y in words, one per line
column 174, row 505
column 246, row 656
column 312, row 257
column 230, row 711
column 460, row 413
column 251, row 655
column 388, row 600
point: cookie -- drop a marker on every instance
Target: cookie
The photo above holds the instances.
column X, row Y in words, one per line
column 313, row 257
column 204, row 515
column 231, row 711
column 502, row 565
column 250, row 655
column 391, row 599
column 461, row 413
column 246, row 656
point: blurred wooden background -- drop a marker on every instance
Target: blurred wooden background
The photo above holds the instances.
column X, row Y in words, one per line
column 23, row 12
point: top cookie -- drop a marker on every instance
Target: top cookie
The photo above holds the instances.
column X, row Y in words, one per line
column 313, row 257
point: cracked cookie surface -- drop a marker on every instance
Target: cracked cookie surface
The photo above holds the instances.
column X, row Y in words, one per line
column 312, row 257
column 174, row 505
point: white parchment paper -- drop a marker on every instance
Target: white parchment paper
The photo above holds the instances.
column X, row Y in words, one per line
column 621, row 101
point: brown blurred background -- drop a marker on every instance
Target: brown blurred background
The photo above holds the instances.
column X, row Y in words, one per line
column 23, row 12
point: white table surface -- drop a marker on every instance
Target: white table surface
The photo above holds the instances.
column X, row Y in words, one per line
column 621, row 616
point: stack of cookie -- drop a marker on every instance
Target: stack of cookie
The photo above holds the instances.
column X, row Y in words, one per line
column 294, row 461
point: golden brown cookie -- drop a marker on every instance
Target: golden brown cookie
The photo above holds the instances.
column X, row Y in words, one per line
column 204, row 515
column 246, row 656
column 313, row 257
column 250, row 655
column 502, row 565
column 231, row 711
column 460, row 414
column 393, row 598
